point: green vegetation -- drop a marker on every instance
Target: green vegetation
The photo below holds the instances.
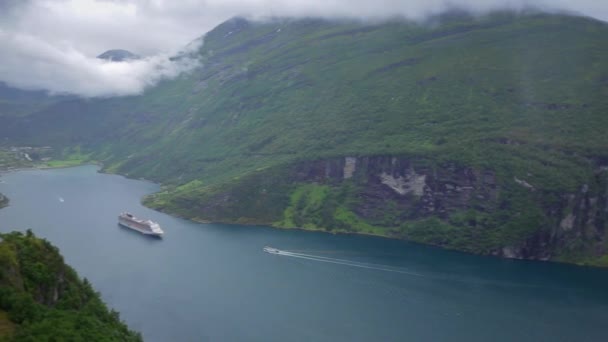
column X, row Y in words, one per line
column 69, row 158
column 7, row 327
column 306, row 203
column 10, row 160
column 321, row 207
column 41, row 157
column 43, row 299
column 519, row 98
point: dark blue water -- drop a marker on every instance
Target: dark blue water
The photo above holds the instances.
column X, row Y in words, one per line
column 212, row 282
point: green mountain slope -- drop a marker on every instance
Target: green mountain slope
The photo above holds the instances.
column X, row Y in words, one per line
column 308, row 89
column 43, row 299
column 480, row 134
column 15, row 102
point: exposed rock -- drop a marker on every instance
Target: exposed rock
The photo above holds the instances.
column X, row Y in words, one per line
column 510, row 252
column 350, row 166
column 389, row 178
column 482, row 212
column 568, row 222
column 411, row 183
column 523, row 183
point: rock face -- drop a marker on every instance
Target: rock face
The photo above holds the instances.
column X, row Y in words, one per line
column 118, row 55
column 350, row 165
column 447, row 204
column 522, row 222
column 418, row 191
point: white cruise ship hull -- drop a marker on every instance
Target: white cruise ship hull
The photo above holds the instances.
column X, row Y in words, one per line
column 145, row 232
column 146, row 227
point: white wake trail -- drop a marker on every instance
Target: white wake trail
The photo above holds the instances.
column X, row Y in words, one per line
column 346, row 262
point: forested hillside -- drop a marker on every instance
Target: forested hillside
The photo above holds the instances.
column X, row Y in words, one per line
column 43, row 299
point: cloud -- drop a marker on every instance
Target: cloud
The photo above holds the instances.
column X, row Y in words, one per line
column 29, row 62
column 52, row 44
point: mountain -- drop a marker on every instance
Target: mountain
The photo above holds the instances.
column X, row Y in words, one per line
column 482, row 134
column 16, row 102
column 43, row 299
column 118, row 55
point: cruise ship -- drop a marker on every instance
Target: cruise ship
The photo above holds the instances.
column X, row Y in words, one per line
column 146, row 227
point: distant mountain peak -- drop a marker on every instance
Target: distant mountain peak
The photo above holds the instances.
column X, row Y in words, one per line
column 118, row 55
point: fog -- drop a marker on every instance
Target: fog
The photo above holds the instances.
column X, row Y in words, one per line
column 52, row 44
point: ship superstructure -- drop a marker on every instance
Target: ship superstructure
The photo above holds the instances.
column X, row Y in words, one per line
column 146, row 227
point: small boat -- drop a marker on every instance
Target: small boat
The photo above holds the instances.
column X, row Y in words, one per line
column 146, row 227
column 271, row 250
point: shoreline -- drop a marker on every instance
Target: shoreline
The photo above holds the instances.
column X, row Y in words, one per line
column 45, row 167
column 364, row 234
column 273, row 226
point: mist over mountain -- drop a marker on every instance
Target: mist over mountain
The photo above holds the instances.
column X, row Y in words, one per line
column 51, row 45
column 118, row 55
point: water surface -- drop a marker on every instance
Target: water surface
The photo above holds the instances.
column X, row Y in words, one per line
column 213, row 282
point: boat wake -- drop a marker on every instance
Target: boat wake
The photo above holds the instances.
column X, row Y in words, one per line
column 377, row 267
column 467, row 279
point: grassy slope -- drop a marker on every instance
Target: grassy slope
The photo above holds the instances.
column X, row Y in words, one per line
column 318, row 89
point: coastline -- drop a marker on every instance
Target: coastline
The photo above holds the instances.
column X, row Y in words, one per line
column 323, row 231
column 45, row 167
column 338, row 232
column 302, row 229
column 254, row 224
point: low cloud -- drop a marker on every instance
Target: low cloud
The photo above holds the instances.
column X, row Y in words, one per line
column 52, row 44
column 31, row 63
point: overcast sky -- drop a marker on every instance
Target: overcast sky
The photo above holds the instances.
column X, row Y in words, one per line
column 52, row 44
